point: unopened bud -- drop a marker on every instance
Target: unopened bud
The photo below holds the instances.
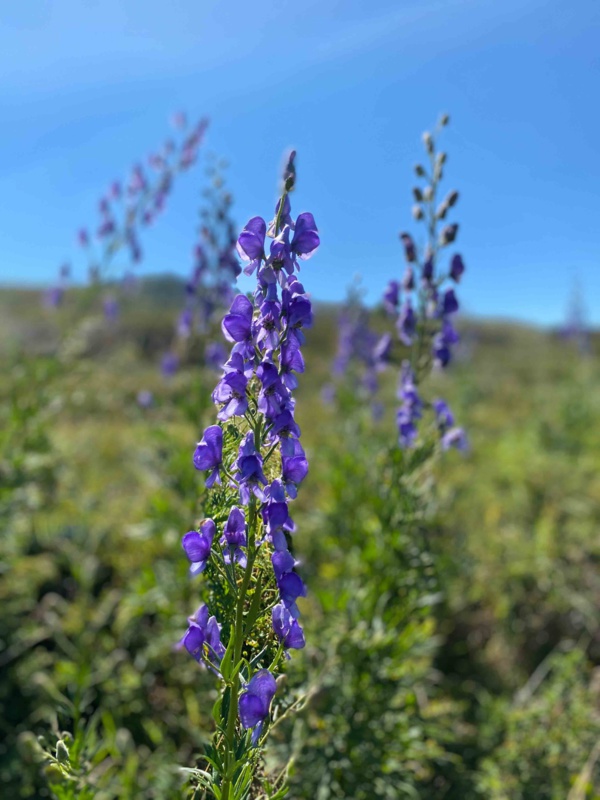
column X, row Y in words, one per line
column 451, row 199
column 444, row 120
column 441, row 158
column 428, row 193
column 448, row 234
column 62, row 752
column 417, row 194
column 417, row 212
column 419, row 170
column 442, row 210
column 289, row 172
column 428, row 142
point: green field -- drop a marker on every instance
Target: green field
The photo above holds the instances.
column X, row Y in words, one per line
column 452, row 618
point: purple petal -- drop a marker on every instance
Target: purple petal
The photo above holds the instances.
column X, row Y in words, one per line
column 251, row 710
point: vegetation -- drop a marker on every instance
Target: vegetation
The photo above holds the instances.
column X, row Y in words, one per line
column 451, row 624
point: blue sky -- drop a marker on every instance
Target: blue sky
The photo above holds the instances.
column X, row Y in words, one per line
column 87, row 87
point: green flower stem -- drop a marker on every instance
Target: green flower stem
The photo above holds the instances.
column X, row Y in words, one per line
column 237, row 653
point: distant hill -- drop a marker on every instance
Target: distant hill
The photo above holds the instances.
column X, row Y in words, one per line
column 150, row 309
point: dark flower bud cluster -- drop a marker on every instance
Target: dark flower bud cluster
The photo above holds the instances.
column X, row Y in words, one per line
column 254, row 463
column 424, row 301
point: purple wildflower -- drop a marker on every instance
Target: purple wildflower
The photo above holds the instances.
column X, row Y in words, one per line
column 287, row 628
column 209, row 454
column 407, row 323
column 234, row 537
column 457, row 267
column 249, row 470
column 197, row 546
column 255, row 703
column 391, row 297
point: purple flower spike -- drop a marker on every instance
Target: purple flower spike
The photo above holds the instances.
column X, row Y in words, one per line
column 287, row 628
column 209, row 454
column 306, row 239
column 197, row 546
column 255, row 702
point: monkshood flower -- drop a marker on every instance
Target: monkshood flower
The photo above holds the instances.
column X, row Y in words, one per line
column 411, row 409
column 425, row 317
column 255, row 702
column 202, row 639
column 450, row 434
column 254, row 464
column 209, row 454
column 287, row 628
column 197, row 546
column 234, row 537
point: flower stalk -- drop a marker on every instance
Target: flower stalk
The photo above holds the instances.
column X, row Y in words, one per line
column 254, row 463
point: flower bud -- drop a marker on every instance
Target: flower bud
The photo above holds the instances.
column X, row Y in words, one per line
column 451, row 199
column 419, row 170
column 428, row 194
column 428, row 142
column 417, row 194
column 448, row 234
column 62, row 752
column 417, row 212
column 442, row 210
column 444, row 120
column 289, row 172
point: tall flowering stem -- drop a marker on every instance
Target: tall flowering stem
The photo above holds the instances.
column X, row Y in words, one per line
column 209, row 288
column 424, row 301
column 254, row 464
column 361, row 355
column 128, row 207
